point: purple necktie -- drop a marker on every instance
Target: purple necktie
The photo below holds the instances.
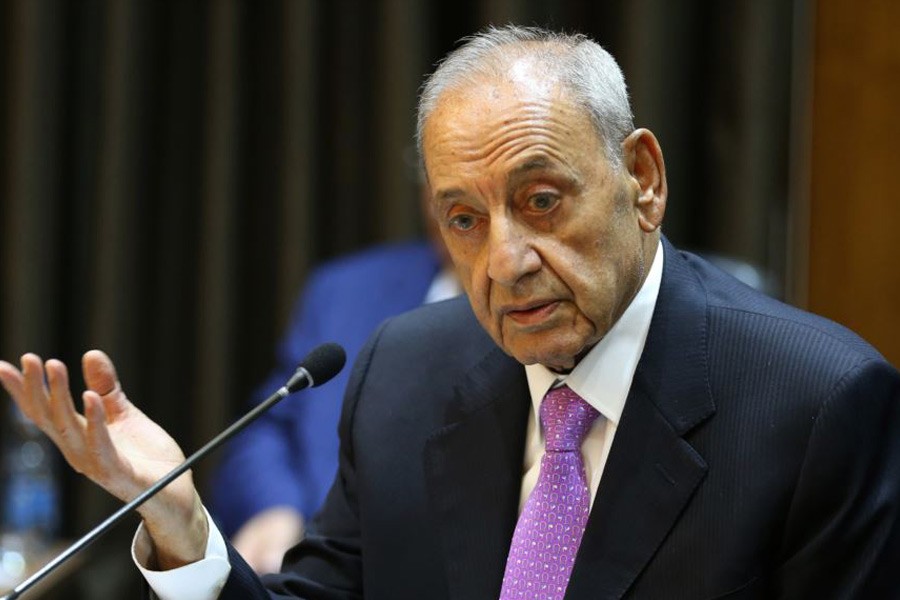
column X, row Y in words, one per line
column 550, row 527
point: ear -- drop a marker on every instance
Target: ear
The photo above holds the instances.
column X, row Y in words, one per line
column 644, row 162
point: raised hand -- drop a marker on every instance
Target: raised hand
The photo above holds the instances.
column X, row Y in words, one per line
column 115, row 445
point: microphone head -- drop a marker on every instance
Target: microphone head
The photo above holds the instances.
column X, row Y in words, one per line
column 324, row 362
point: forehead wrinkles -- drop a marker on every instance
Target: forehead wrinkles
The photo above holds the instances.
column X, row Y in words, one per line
column 497, row 133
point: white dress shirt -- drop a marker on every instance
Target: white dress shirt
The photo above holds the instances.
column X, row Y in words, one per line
column 602, row 378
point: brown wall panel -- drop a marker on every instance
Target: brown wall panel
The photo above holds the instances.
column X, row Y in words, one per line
column 854, row 212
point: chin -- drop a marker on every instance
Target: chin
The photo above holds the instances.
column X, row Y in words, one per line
column 553, row 348
column 560, row 360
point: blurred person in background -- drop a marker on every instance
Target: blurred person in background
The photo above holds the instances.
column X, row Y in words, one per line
column 275, row 474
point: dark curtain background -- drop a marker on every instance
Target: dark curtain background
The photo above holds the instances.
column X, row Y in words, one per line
column 172, row 169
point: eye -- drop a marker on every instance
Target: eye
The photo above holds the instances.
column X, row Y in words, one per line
column 542, row 202
column 462, row 222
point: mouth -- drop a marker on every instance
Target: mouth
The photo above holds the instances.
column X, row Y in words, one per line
column 531, row 313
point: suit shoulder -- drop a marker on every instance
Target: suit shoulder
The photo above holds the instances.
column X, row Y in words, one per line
column 424, row 353
column 740, row 316
column 448, row 322
column 438, row 333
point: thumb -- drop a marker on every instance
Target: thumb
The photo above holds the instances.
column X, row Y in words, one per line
column 100, row 376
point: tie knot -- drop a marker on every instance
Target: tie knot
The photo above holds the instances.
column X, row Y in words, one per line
column 566, row 418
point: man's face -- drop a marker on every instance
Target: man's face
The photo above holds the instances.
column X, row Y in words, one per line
column 545, row 234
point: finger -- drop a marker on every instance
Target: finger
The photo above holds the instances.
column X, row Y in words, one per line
column 35, row 398
column 33, row 370
column 12, row 380
column 99, row 373
column 89, row 462
column 100, row 377
column 62, row 408
column 97, row 434
column 94, row 411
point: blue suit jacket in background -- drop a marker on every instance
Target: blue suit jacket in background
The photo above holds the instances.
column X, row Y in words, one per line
column 290, row 455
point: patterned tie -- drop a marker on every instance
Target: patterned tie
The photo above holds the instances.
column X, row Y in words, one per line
column 550, row 527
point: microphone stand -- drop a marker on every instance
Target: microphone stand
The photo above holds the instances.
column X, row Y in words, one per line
column 300, row 380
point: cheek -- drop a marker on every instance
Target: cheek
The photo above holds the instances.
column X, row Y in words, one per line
column 578, row 263
column 590, row 277
column 470, row 277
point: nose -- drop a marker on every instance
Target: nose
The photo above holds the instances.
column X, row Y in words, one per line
column 510, row 253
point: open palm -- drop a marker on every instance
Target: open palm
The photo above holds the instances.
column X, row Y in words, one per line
column 113, row 443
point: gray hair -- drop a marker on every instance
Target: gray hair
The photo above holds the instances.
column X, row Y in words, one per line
column 588, row 72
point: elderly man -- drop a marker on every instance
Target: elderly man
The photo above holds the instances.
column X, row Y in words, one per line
column 606, row 417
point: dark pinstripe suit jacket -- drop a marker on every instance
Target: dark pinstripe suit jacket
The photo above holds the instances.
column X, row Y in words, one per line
column 758, row 456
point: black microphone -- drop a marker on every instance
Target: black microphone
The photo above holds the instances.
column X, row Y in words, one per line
column 320, row 365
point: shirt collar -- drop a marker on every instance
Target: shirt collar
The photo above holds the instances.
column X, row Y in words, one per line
column 603, row 377
column 444, row 285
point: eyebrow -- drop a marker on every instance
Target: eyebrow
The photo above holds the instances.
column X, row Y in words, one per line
column 535, row 163
column 449, row 194
column 543, row 163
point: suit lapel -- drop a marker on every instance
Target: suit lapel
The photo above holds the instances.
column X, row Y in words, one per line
column 473, row 470
column 651, row 472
